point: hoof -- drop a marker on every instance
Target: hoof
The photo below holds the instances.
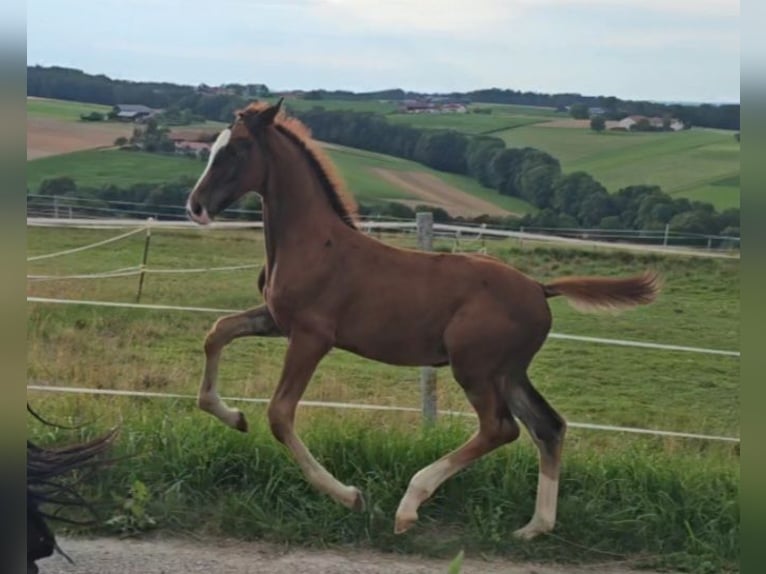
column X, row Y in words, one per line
column 357, row 503
column 404, row 522
column 241, row 424
column 532, row 530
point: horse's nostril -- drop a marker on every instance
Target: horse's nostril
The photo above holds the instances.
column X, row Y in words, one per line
column 196, row 209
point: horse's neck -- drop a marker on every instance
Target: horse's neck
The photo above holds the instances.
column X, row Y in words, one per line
column 297, row 215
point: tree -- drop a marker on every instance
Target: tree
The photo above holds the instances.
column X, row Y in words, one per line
column 579, row 111
column 121, row 141
column 505, row 170
column 598, row 123
column 479, row 155
column 596, row 207
column 538, row 174
column 57, row 186
column 611, row 222
column 571, row 190
column 696, row 221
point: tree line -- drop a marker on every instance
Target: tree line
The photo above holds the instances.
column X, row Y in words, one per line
column 76, row 85
column 563, row 200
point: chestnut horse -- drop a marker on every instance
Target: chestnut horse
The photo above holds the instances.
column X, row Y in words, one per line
column 326, row 284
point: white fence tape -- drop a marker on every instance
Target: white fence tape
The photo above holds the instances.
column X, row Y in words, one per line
column 366, row 407
column 406, row 226
column 123, row 272
column 89, row 246
column 618, row 342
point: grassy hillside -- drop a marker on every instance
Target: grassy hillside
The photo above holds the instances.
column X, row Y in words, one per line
column 94, row 168
column 122, row 168
column 467, row 123
column 61, row 109
column 698, row 163
column 355, row 165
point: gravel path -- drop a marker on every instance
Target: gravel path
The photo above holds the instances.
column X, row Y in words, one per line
column 186, row 556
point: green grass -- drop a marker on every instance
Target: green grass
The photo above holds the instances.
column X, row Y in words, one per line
column 639, row 504
column 376, row 106
column 588, row 383
column 684, row 163
column 123, row 168
column 651, row 501
column 467, row 123
column 62, row 109
column 519, row 110
column 112, row 167
column 355, row 166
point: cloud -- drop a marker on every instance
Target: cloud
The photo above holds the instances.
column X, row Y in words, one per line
column 488, row 16
column 406, row 16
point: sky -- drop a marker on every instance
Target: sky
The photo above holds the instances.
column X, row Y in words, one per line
column 662, row 50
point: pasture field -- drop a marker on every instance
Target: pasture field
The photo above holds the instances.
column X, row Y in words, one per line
column 467, row 123
column 62, row 109
column 654, row 501
column 98, row 168
column 122, row 168
column 687, row 163
column 358, row 169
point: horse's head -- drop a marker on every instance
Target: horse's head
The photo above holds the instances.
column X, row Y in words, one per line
column 232, row 168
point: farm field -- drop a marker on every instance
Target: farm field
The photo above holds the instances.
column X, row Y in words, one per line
column 361, row 170
column 467, row 123
column 62, row 109
column 659, row 501
column 357, row 167
column 687, row 164
column 93, row 168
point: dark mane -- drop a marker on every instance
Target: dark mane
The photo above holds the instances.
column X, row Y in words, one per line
column 332, row 184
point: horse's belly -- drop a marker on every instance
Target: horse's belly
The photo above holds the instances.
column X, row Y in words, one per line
column 396, row 348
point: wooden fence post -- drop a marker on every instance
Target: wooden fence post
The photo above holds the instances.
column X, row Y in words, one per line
column 144, row 258
column 425, row 226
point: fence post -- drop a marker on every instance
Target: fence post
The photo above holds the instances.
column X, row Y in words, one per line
column 56, row 207
column 425, row 225
column 144, row 258
column 667, row 232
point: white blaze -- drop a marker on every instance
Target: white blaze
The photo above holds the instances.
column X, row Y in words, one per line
column 221, row 141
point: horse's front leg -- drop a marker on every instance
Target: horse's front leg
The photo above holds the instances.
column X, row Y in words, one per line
column 304, row 352
column 253, row 322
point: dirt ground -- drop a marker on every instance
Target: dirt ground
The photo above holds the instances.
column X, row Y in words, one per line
column 433, row 191
column 187, row 556
column 46, row 136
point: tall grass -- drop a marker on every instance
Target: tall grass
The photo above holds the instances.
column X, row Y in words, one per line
column 646, row 502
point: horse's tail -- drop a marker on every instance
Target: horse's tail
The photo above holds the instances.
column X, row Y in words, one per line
column 49, row 482
column 605, row 293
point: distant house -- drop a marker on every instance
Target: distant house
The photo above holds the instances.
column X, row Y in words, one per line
column 133, row 112
column 455, row 108
column 592, row 112
column 430, row 106
column 628, row 122
column 186, row 147
column 676, row 125
column 655, row 123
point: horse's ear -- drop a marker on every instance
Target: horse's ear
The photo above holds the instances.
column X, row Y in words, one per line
column 266, row 117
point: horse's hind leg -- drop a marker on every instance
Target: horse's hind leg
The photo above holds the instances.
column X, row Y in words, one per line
column 253, row 322
column 496, row 427
column 547, row 429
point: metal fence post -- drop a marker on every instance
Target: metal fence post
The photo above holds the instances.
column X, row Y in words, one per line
column 425, row 227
